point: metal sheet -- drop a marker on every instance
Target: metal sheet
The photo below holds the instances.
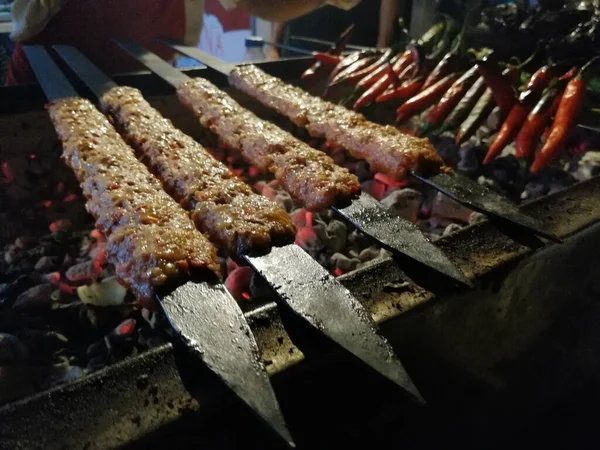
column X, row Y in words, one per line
column 399, row 235
column 315, row 295
column 53, row 81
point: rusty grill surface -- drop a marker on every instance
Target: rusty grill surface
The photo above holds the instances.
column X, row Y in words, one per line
column 127, row 400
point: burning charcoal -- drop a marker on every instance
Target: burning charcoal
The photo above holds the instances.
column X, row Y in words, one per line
column 42, row 344
column 404, row 202
column 37, row 297
column 476, row 217
column 109, row 292
column 81, row 273
column 469, row 161
column 344, row 263
column 12, row 350
column 362, row 171
column 150, row 317
column 447, row 148
column 308, row 239
column 284, row 200
column 370, row 253
column 238, row 283
column 46, row 264
column 125, row 333
column 587, row 167
column 358, row 240
column 24, row 242
column 337, row 235
column 446, row 208
column 12, row 254
column 534, row 189
column 451, row 229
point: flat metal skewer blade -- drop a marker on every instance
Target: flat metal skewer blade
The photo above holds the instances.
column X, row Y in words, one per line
column 205, row 58
column 327, row 43
column 316, row 296
column 96, row 80
column 54, row 83
column 399, row 235
column 479, row 198
column 212, row 326
column 163, row 69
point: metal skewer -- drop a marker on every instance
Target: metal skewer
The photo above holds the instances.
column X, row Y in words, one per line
column 206, row 318
column 458, row 187
column 304, row 285
column 365, row 213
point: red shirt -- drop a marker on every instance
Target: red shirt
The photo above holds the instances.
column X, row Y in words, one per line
column 90, row 25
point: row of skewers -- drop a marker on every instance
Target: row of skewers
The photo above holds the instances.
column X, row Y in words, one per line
column 437, row 86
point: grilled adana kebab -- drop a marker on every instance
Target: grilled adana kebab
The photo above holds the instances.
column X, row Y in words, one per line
column 150, row 238
column 308, row 175
column 386, row 149
column 222, row 206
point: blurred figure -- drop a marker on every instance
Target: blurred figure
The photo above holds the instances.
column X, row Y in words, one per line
column 375, row 22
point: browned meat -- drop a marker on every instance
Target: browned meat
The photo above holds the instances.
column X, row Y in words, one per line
column 385, row 148
column 223, row 207
column 309, row 175
column 150, row 238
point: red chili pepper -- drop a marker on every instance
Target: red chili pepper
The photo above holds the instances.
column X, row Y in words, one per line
column 353, row 69
column 345, row 62
column 519, row 112
column 566, row 115
column 451, row 98
column 403, row 92
column 314, row 72
column 378, row 88
column 360, row 74
column 500, row 84
column 568, row 75
column 327, row 59
column 425, row 98
column 408, row 73
column 536, row 122
column 507, row 132
column 406, row 58
column 376, row 75
column 440, row 70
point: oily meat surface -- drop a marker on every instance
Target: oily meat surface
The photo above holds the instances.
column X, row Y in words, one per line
column 386, row 149
column 150, row 238
column 224, row 207
column 308, row 175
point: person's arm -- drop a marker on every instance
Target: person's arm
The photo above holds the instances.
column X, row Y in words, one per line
column 388, row 14
column 277, row 32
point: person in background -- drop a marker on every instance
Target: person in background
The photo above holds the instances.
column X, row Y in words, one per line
column 90, row 25
column 375, row 21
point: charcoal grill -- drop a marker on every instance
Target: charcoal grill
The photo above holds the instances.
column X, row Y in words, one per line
column 467, row 347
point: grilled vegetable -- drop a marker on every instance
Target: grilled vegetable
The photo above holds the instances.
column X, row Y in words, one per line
column 443, row 68
column 353, row 69
column 424, row 99
column 318, row 69
column 451, row 98
column 378, row 88
column 345, row 62
column 537, row 120
column 500, row 84
column 519, row 112
column 378, row 73
column 480, row 112
column 465, row 105
column 327, row 59
column 403, row 92
column 566, row 116
column 355, row 76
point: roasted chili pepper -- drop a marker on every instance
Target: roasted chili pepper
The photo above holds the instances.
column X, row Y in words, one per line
column 408, row 73
column 378, row 73
column 500, row 84
column 519, row 112
column 569, row 74
column 358, row 75
column 403, row 92
column 566, row 116
column 424, row 99
column 443, row 68
column 327, row 59
column 345, row 62
column 480, row 112
column 451, row 98
column 353, row 68
column 406, row 59
column 537, row 83
column 430, row 38
column 465, row 105
column 377, row 89
column 318, row 69
column 536, row 122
